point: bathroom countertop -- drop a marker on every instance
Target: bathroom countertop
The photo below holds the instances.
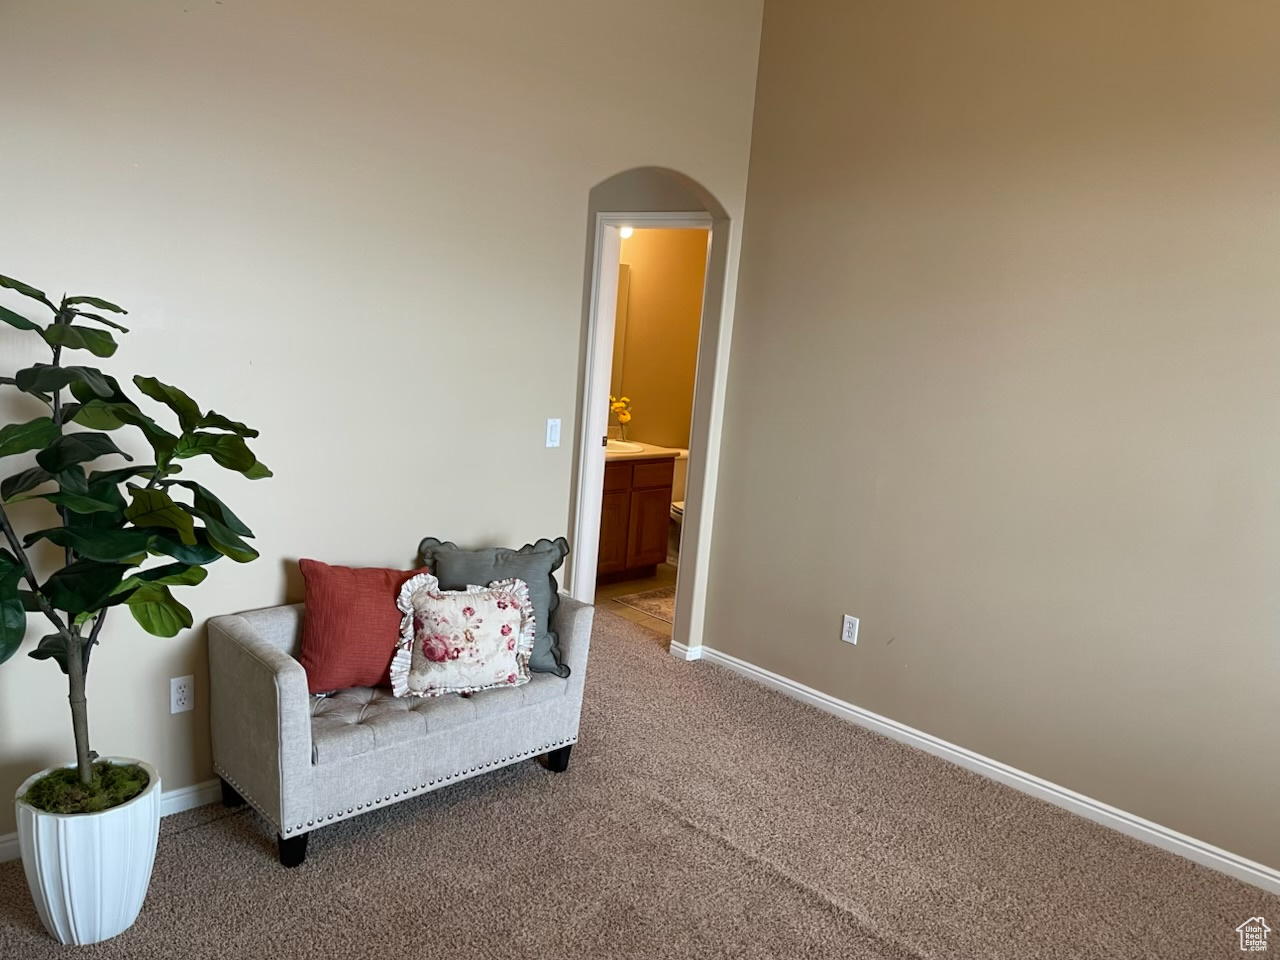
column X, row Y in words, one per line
column 650, row 452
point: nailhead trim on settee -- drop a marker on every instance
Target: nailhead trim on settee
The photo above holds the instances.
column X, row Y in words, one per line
column 403, row 793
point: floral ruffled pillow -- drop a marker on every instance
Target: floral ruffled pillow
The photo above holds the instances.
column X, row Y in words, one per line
column 461, row 641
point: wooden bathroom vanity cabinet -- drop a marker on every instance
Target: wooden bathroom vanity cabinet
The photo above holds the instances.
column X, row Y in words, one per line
column 635, row 517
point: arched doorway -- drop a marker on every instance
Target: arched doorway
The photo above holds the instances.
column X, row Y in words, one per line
column 639, row 198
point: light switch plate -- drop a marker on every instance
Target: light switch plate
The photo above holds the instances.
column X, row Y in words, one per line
column 553, row 432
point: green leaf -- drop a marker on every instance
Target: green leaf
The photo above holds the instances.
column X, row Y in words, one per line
column 94, row 302
column 26, row 291
column 172, row 575
column 29, row 601
column 53, row 647
column 224, row 539
column 13, row 615
column 13, row 623
column 17, row 320
column 218, row 421
column 227, row 450
column 99, row 494
column 173, row 398
column 108, row 415
column 115, row 394
column 161, row 440
column 45, row 378
column 75, row 502
column 97, row 342
column 120, row 474
column 72, row 480
column 101, row 498
column 259, row 471
column 155, row 508
column 110, row 323
column 28, row 479
column 32, row 435
column 96, row 414
column 72, row 448
column 83, row 586
column 128, row 546
column 201, row 552
column 153, row 606
column 103, row 486
column 211, row 505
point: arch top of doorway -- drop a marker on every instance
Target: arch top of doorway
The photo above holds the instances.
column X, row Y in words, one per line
column 666, row 198
column 654, row 189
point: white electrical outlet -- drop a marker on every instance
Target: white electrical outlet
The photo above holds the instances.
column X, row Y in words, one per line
column 553, row 433
column 849, row 632
column 182, row 694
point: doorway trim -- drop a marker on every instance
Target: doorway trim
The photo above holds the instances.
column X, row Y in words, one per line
column 704, row 433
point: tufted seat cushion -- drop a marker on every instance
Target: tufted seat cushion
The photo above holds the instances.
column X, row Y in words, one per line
column 355, row 721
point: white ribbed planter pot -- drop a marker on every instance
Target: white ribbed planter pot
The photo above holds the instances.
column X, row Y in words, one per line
column 89, row 872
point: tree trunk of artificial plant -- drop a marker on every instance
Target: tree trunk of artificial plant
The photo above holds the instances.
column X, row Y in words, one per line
column 75, row 654
column 79, row 705
column 75, row 643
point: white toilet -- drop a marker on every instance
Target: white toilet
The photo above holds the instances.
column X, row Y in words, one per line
column 677, row 505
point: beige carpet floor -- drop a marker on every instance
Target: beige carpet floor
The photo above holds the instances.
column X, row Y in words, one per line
column 701, row 817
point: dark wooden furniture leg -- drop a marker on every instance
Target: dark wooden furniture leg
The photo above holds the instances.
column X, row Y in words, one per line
column 558, row 760
column 230, row 798
column 293, row 850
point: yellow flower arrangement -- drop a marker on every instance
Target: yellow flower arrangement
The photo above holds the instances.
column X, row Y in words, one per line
column 620, row 408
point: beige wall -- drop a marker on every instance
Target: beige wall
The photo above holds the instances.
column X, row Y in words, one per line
column 1006, row 385
column 664, row 312
column 319, row 214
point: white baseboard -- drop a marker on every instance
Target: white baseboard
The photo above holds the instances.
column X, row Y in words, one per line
column 1257, row 874
column 188, row 798
column 681, row 652
column 171, row 801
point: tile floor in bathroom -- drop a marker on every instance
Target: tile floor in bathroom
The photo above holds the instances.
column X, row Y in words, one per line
column 606, row 592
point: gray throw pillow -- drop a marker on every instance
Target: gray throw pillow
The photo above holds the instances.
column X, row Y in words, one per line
column 534, row 563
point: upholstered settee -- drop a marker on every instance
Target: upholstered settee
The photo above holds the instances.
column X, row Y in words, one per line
column 306, row 762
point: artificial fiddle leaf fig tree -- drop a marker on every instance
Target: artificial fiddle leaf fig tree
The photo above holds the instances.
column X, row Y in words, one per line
column 128, row 534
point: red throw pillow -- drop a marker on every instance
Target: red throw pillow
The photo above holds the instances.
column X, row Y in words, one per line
column 351, row 625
